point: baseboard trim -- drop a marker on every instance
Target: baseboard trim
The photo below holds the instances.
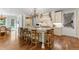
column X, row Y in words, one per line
column 67, row 36
column 71, row 36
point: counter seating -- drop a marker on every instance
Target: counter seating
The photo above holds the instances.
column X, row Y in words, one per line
column 31, row 38
column 20, row 31
column 24, row 36
column 27, row 35
column 49, row 38
column 21, row 36
column 34, row 38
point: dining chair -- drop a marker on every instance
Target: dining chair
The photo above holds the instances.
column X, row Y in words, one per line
column 3, row 31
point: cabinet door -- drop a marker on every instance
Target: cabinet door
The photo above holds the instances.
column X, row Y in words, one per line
column 53, row 16
column 58, row 19
column 28, row 22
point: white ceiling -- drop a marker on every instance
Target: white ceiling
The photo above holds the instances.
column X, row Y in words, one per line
column 28, row 11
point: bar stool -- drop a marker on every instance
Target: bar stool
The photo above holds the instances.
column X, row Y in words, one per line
column 49, row 38
column 21, row 36
column 34, row 38
column 25, row 33
column 27, row 37
column 20, row 33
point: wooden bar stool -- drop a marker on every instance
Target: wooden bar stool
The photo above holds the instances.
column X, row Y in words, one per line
column 49, row 38
column 27, row 36
column 20, row 33
column 21, row 36
column 25, row 33
column 34, row 38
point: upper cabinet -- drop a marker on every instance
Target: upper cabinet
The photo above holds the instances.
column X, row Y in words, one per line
column 53, row 16
column 28, row 21
column 58, row 17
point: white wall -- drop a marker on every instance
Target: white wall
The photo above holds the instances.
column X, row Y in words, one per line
column 57, row 18
column 77, row 23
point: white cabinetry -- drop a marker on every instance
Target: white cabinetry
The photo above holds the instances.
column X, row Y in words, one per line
column 57, row 19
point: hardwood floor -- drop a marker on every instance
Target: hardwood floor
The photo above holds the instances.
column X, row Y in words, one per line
column 11, row 42
column 72, row 42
